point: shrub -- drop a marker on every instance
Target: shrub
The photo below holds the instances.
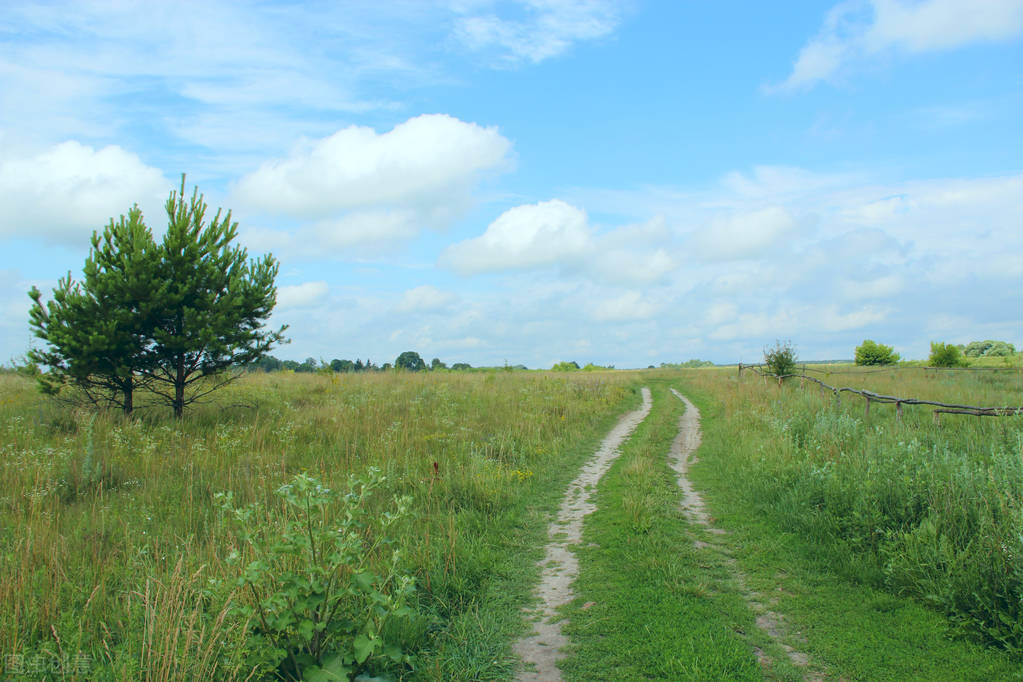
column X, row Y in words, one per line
column 945, row 355
column 871, row 353
column 781, row 359
column 568, row 366
column 317, row 604
column 988, row 349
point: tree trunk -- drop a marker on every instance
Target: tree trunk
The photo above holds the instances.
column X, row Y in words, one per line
column 179, row 388
column 128, row 390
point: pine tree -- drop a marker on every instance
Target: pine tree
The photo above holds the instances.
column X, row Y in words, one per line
column 212, row 303
column 97, row 331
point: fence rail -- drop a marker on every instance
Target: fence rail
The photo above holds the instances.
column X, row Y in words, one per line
column 870, row 396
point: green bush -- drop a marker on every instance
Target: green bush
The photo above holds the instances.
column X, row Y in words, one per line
column 317, row 606
column 989, row 349
column 871, row 353
column 781, row 359
column 568, row 366
column 946, row 355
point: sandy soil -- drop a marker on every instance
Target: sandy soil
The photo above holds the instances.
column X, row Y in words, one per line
column 543, row 648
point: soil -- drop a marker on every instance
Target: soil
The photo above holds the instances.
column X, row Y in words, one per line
column 544, row 647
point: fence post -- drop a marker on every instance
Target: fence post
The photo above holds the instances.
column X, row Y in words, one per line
column 898, row 411
column 937, row 418
column 866, row 412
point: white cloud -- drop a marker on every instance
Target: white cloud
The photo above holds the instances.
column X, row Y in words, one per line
column 631, row 305
column 425, row 298
column 743, row 235
column 360, row 187
column 548, row 28
column 65, row 192
column 857, row 30
column 529, row 236
column 301, row 295
column 357, row 167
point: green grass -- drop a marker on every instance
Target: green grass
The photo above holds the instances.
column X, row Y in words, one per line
column 110, row 534
column 888, row 545
column 650, row 605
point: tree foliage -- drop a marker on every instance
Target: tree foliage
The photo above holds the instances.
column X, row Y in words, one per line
column 781, row 358
column 411, row 361
column 565, row 366
column 174, row 316
column 872, row 353
column 97, row 331
column 989, row 349
column 946, row 355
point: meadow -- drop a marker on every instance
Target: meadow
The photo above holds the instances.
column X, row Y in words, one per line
column 913, row 508
column 131, row 549
column 115, row 561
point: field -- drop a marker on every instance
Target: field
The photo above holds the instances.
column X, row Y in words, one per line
column 890, row 549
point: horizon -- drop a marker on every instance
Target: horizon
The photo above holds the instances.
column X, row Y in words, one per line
column 617, row 182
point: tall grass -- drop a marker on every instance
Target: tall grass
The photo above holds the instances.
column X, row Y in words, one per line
column 111, row 545
column 931, row 511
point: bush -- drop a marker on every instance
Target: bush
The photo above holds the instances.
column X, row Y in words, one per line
column 871, row 353
column 945, row 355
column 568, row 366
column 781, row 359
column 317, row 606
column 989, row 349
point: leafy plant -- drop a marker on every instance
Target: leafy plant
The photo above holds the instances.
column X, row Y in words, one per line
column 318, row 607
column 946, row 355
column 989, row 348
column 781, row 359
column 872, row 353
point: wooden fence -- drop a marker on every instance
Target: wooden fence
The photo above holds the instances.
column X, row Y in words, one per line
column 869, row 396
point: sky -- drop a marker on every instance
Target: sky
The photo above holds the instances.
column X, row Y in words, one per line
column 486, row 181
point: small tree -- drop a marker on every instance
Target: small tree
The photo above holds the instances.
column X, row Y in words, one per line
column 781, row 359
column 945, row 355
column 565, row 366
column 213, row 302
column 871, row 353
column 167, row 315
column 411, row 361
column 97, row 332
column 437, row 364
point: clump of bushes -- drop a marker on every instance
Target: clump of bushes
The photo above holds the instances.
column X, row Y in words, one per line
column 871, row 353
column 946, row 355
column 989, row 349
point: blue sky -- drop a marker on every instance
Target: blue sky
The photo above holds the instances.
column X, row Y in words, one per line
column 482, row 181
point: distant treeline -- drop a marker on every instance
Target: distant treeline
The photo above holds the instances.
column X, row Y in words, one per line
column 409, row 360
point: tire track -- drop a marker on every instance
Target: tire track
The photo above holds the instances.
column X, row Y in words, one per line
column 682, row 455
column 544, row 647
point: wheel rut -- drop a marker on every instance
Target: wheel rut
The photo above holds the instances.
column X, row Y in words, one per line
column 682, row 456
column 544, row 647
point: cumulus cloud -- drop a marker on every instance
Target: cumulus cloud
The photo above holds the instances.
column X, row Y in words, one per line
column 63, row 193
column 529, row 236
column 357, row 167
column 547, row 29
column 301, row 295
column 858, row 30
column 358, row 186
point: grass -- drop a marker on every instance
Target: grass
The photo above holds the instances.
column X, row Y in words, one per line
column 891, row 548
column 893, row 545
column 111, row 537
column 650, row 604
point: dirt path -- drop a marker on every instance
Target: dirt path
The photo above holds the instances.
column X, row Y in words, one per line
column 683, row 454
column 542, row 649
